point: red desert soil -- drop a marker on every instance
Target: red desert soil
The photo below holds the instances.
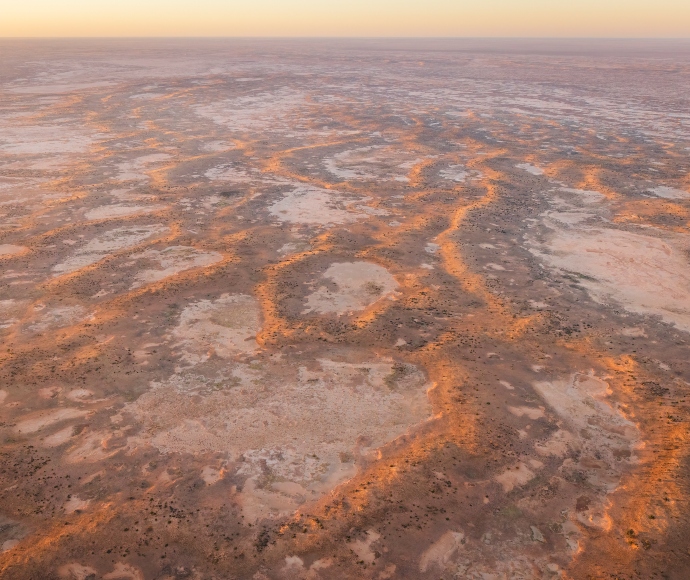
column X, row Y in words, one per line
column 286, row 310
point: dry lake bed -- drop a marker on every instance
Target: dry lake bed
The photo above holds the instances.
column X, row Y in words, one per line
column 344, row 309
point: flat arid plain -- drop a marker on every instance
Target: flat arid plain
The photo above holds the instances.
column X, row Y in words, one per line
column 344, row 309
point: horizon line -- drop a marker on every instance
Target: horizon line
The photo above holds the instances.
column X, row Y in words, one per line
column 339, row 37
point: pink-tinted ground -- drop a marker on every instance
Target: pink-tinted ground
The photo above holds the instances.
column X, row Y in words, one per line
column 373, row 309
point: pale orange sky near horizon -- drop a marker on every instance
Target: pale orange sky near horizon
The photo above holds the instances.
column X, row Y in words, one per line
column 521, row 18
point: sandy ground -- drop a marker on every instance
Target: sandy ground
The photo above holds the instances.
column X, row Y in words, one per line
column 286, row 310
column 355, row 286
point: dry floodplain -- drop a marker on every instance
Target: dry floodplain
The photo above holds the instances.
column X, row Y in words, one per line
column 358, row 309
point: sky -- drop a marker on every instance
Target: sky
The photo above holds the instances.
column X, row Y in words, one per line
column 473, row 18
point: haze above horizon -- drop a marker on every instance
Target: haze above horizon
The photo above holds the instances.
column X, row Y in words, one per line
column 356, row 18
